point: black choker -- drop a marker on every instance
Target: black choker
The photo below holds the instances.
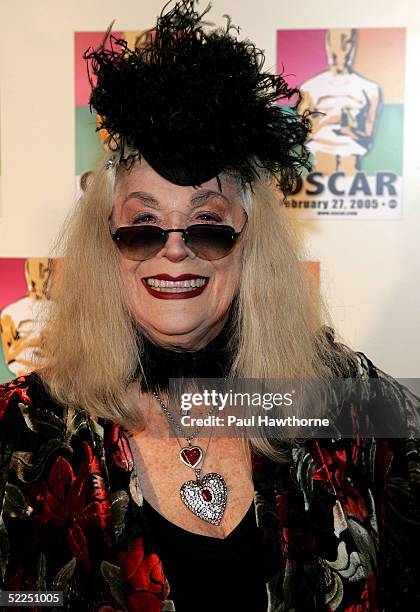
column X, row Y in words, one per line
column 160, row 364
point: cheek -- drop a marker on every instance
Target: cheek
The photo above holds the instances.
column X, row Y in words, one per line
column 227, row 274
column 131, row 275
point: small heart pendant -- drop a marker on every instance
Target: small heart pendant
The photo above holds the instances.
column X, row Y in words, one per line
column 191, row 455
column 206, row 497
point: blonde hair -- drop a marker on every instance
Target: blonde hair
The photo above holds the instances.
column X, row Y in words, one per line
column 91, row 346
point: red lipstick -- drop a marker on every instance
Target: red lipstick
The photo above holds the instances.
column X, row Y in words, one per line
column 175, row 278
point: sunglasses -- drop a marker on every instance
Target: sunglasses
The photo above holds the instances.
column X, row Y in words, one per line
column 141, row 242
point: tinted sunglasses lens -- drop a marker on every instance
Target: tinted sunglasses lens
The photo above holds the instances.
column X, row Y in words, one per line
column 210, row 241
column 140, row 243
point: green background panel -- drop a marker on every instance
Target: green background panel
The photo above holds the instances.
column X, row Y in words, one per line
column 88, row 147
column 5, row 373
column 387, row 151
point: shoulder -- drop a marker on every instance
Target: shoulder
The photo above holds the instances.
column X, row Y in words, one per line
column 24, row 389
column 28, row 388
column 381, row 405
column 26, row 408
column 393, row 401
column 378, row 421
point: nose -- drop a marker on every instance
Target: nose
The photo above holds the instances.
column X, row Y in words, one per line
column 175, row 248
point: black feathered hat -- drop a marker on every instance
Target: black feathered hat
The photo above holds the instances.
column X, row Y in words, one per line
column 195, row 102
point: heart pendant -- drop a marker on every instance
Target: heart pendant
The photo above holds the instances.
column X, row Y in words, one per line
column 206, row 497
column 191, row 455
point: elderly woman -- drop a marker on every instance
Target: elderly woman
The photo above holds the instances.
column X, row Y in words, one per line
column 180, row 262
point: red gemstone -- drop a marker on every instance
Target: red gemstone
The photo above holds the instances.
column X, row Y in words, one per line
column 206, row 495
column 192, row 456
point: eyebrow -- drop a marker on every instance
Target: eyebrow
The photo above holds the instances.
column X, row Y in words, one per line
column 144, row 197
column 196, row 201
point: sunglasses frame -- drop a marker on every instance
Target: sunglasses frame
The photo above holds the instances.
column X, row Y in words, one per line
column 184, row 231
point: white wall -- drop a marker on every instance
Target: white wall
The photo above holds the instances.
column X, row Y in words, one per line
column 369, row 268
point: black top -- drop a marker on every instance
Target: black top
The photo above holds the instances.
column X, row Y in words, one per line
column 202, row 570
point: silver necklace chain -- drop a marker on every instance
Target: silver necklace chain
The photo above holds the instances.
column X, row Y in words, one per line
column 207, row 496
column 175, row 425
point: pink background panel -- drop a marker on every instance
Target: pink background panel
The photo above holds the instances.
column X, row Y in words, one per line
column 82, row 42
column 300, row 54
column 12, row 280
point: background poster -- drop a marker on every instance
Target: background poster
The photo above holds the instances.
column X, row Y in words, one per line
column 25, row 292
column 355, row 78
column 91, row 144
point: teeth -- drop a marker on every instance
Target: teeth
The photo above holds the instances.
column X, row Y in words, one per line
column 176, row 286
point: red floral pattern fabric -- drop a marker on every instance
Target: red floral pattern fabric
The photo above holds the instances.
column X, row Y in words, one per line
column 341, row 517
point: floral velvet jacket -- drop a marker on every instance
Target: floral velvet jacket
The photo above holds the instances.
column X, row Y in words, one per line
column 342, row 516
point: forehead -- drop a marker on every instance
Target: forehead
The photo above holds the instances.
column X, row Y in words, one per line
column 141, row 178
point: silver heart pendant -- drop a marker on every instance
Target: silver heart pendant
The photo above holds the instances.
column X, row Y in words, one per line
column 206, row 497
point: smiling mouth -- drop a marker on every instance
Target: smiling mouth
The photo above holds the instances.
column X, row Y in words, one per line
column 183, row 288
column 176, row 286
